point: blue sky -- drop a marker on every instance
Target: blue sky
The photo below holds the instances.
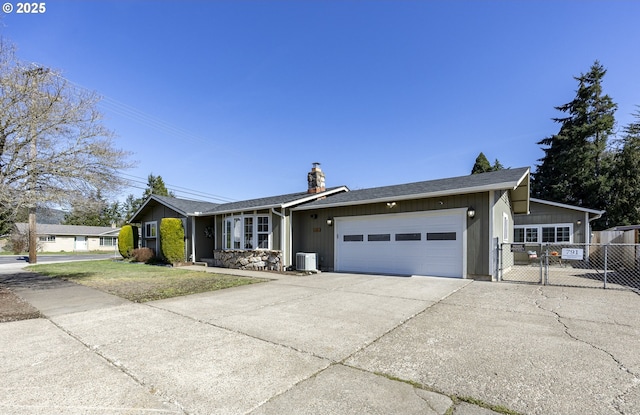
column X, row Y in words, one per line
column 238, row 98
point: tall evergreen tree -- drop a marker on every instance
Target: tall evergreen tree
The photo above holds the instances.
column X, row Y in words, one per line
column 155, row 186
column 624, row 206
column 574, row 167
column 482, row 165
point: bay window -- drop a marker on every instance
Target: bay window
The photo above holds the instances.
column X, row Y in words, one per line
column 246, row 232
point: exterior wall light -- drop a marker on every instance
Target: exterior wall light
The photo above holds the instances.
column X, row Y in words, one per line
column 471, row 213
column 391, row 205
column 578, row 222
column 330, row 221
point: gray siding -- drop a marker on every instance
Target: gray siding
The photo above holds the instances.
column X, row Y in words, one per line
column 546, row 214
column 312, row 234
column 155, row 213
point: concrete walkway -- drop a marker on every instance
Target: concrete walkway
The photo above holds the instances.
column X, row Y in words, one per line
column 323, row 344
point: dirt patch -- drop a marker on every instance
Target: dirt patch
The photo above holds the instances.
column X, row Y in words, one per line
column 14, row 308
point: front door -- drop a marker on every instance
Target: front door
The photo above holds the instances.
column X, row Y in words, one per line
column 81, row 243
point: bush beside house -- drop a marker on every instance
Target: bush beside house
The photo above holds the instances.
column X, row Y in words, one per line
column 127, row 240
column 172, row 239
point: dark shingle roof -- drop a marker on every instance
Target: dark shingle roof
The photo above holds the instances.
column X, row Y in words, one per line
column 268, row 202
column 185, row 206
column 502, row 179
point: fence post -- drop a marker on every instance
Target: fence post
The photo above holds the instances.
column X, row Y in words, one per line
column 500, row 248
column 546, row 265
column 606, row 254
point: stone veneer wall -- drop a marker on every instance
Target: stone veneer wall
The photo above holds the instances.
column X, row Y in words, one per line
column 252, row 260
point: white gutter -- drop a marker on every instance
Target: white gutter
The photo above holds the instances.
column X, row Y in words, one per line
column 282, row 241
column 313, row 196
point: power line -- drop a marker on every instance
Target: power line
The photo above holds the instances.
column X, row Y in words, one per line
column 135, row 114
column 177, row 189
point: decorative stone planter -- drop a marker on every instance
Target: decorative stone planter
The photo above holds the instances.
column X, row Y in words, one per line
column 252, row 260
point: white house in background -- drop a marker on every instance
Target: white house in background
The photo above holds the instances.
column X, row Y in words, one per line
column 73, row 238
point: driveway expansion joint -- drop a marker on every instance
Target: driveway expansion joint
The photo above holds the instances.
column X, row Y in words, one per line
column 208, row 323
column 151, row 389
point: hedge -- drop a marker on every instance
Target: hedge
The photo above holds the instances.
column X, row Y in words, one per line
column 172, row 239
column 127, row 240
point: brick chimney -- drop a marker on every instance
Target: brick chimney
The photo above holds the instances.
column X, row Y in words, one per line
column 316, row 179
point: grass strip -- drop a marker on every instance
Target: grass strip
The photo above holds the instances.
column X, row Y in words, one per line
column 139, row 282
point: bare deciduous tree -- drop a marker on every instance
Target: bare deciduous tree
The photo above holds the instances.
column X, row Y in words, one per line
column 53, row 145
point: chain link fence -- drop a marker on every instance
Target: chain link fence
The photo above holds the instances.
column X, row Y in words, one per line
column 614, row 266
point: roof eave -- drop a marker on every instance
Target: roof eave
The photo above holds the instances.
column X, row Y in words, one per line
column 466, row 190
column 598, row 213
column 277, row 205
column 146, row 202
column 313, row 196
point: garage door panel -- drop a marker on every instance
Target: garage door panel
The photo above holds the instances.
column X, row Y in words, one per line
column 429, row 243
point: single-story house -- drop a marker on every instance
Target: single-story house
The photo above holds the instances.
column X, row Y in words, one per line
column 446, row 227
column 251, row 233
column 72, row 238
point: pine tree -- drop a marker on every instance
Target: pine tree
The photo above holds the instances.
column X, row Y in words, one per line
column 624, row 207
column 574, row 167
column 482, row 165
column 155, row 186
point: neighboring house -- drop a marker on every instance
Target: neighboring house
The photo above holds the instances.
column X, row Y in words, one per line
column 448, row 227
column 552, row 222
column 72, row 238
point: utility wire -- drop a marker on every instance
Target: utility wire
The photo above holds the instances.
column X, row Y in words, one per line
column 134, row 114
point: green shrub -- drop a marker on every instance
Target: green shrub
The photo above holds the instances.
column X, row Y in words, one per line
column 127, row 240
column 172, row 239
column 142, row 255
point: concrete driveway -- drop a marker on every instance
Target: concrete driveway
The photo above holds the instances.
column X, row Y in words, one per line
column 325, row 344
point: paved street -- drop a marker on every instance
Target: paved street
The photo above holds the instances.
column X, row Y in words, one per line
column 324, row 344
column 21, row 259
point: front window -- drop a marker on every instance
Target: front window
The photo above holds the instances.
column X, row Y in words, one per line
column 47, row 238
column 150, row 229
column 505, row 228
column 108, row 241
column 246, row 232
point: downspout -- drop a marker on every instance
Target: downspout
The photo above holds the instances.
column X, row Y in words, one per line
column 282, row 241
column 193, row 237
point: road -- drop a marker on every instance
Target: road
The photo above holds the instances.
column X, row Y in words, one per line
column 18, row 259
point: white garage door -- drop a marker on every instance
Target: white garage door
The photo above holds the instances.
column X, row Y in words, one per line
column 421, row 243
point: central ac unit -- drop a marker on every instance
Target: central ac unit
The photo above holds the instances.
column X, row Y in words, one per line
column 306, row 261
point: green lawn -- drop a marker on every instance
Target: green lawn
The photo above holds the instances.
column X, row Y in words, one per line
column 140, row 282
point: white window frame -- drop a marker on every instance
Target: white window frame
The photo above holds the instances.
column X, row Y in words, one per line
column 505, row 227
column 236, row 235
column 47, row 238
column 113, row 240
column 147, row 227
column 539, row 235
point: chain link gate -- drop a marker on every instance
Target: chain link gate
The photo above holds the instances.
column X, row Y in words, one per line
column 615, row 266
